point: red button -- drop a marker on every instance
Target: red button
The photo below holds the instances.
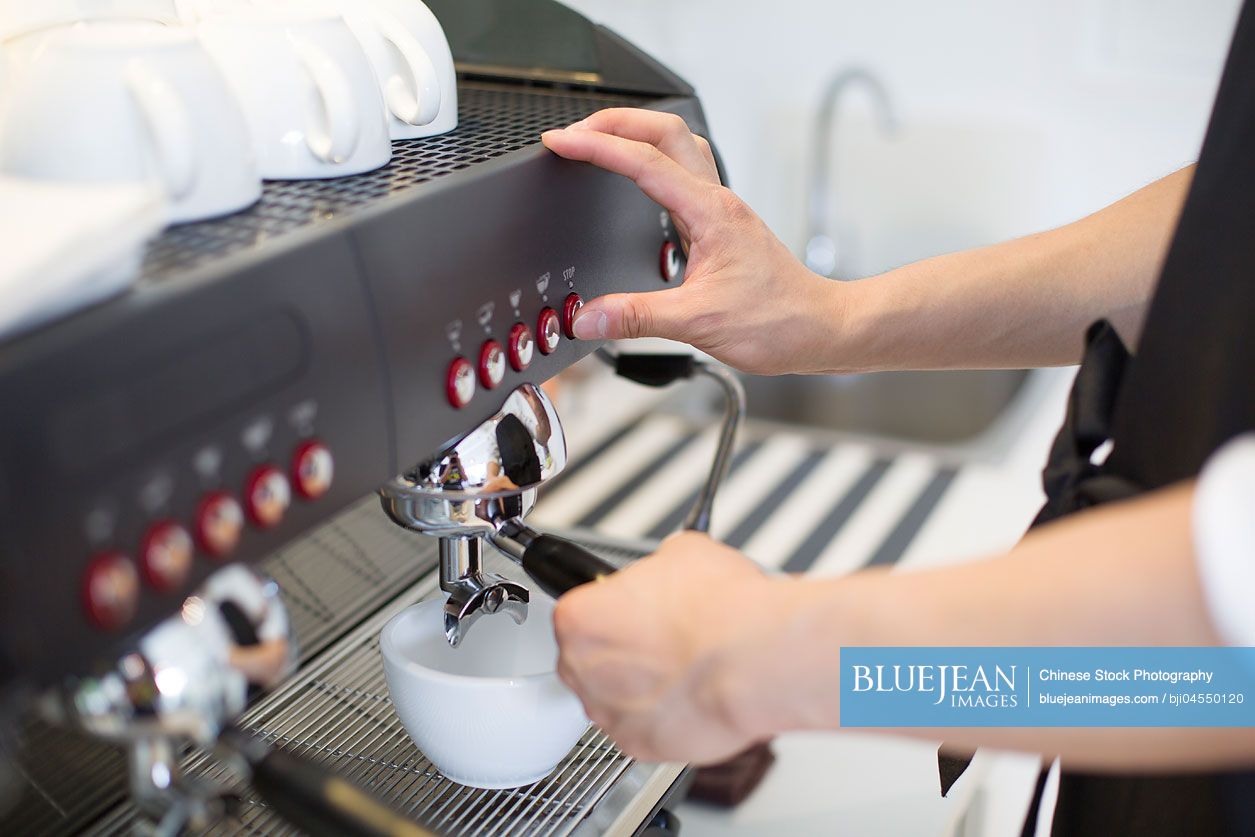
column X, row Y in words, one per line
column 166, row 555
column 521, row 347
column 548, row 331
column 671, row 266
column 219, row 521
column 267, row 496
column 491, row 364
column 460, row 384
column 111, row 590
column 313, row 469
column 572, row 304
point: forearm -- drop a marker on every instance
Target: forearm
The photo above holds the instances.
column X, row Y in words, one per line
column 1122, row 575
column 1022, row 303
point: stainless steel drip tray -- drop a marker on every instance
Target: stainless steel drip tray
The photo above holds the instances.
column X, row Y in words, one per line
column 336, row 711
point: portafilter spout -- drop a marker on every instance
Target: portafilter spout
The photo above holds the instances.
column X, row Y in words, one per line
column 479, row 489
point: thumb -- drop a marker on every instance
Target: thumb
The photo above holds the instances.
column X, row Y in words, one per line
column 626, row 316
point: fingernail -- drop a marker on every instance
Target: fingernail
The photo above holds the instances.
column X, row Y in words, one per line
column 590, row 325
column 582, row 125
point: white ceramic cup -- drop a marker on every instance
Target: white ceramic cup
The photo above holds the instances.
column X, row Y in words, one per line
column 309, row 94
column 118, row 102
column 412, row 60
column 492, row 712
column 20, row 17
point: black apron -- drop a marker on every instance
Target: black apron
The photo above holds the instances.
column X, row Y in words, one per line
column 1188, row 390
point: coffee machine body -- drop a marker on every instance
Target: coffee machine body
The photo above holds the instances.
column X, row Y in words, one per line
column 270, row 371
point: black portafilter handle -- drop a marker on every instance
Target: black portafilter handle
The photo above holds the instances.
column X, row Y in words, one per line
column 555, row 564
column 302, row 791
column 314, row 798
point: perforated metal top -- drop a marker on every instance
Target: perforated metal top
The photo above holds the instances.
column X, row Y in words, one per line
column 492, row 120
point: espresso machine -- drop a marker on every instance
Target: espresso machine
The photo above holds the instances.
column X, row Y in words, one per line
column 194, row 567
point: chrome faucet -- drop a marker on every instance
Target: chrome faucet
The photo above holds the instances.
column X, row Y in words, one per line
column 822, row 253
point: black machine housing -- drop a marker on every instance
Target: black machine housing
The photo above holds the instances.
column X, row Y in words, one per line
column 331, row 311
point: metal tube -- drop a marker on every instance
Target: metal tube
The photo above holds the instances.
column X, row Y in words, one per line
column 460, row 556
column 698, row 519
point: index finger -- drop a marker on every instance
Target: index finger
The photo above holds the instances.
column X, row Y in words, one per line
column 686, row 196
column 668, row 132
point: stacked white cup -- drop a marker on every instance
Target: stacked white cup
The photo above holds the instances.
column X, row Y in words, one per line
column 209, row 97
column 131, row 101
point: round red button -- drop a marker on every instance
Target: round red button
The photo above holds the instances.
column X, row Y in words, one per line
column 671, row 266
column 572, row 304
column 521, row 347
column 111, row 590
column 460, row 383
column 219, row 521
column 491, row 364
column 548, row 331
column 166, row 555
column 267, row 496
column 313, row 469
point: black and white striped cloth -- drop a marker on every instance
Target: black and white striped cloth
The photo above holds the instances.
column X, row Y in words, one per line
column 790, row 502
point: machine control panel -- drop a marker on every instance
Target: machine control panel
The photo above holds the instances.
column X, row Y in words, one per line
column 217, row 416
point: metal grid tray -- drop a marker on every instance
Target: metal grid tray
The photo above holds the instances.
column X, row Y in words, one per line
column 332, row 579
column 494, row 119
column 337, row 712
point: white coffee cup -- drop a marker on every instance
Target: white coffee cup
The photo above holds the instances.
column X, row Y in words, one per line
column 492, row 712
column 412, row 60
column 308, row 91
column 131, row 102
column 21, row 17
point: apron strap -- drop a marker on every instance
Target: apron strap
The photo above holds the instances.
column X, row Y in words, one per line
column 1071, row 479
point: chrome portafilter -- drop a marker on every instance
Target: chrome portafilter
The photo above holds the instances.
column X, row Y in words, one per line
column 186, row 682
column 481, row 488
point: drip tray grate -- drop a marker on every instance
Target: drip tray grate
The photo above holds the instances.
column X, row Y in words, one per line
column 337, row 712
column 332, row 578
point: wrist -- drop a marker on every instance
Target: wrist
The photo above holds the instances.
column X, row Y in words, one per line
column 855, row 313
column 772, row 674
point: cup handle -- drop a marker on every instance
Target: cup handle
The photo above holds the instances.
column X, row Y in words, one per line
column 335, row 139
column 170, row 126
column 421, row 105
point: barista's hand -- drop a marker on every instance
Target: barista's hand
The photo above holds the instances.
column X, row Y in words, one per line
column 674, row 656
column 745, row 299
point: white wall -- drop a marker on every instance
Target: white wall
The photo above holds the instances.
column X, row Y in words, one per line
column 1015, row 115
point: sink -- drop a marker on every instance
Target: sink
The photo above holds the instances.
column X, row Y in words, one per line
column 943, row 408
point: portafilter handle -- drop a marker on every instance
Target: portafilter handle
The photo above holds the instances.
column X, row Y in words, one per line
column 555, row 564
column 312, row 797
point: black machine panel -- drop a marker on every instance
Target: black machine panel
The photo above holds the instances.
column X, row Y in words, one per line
column 331, row 313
